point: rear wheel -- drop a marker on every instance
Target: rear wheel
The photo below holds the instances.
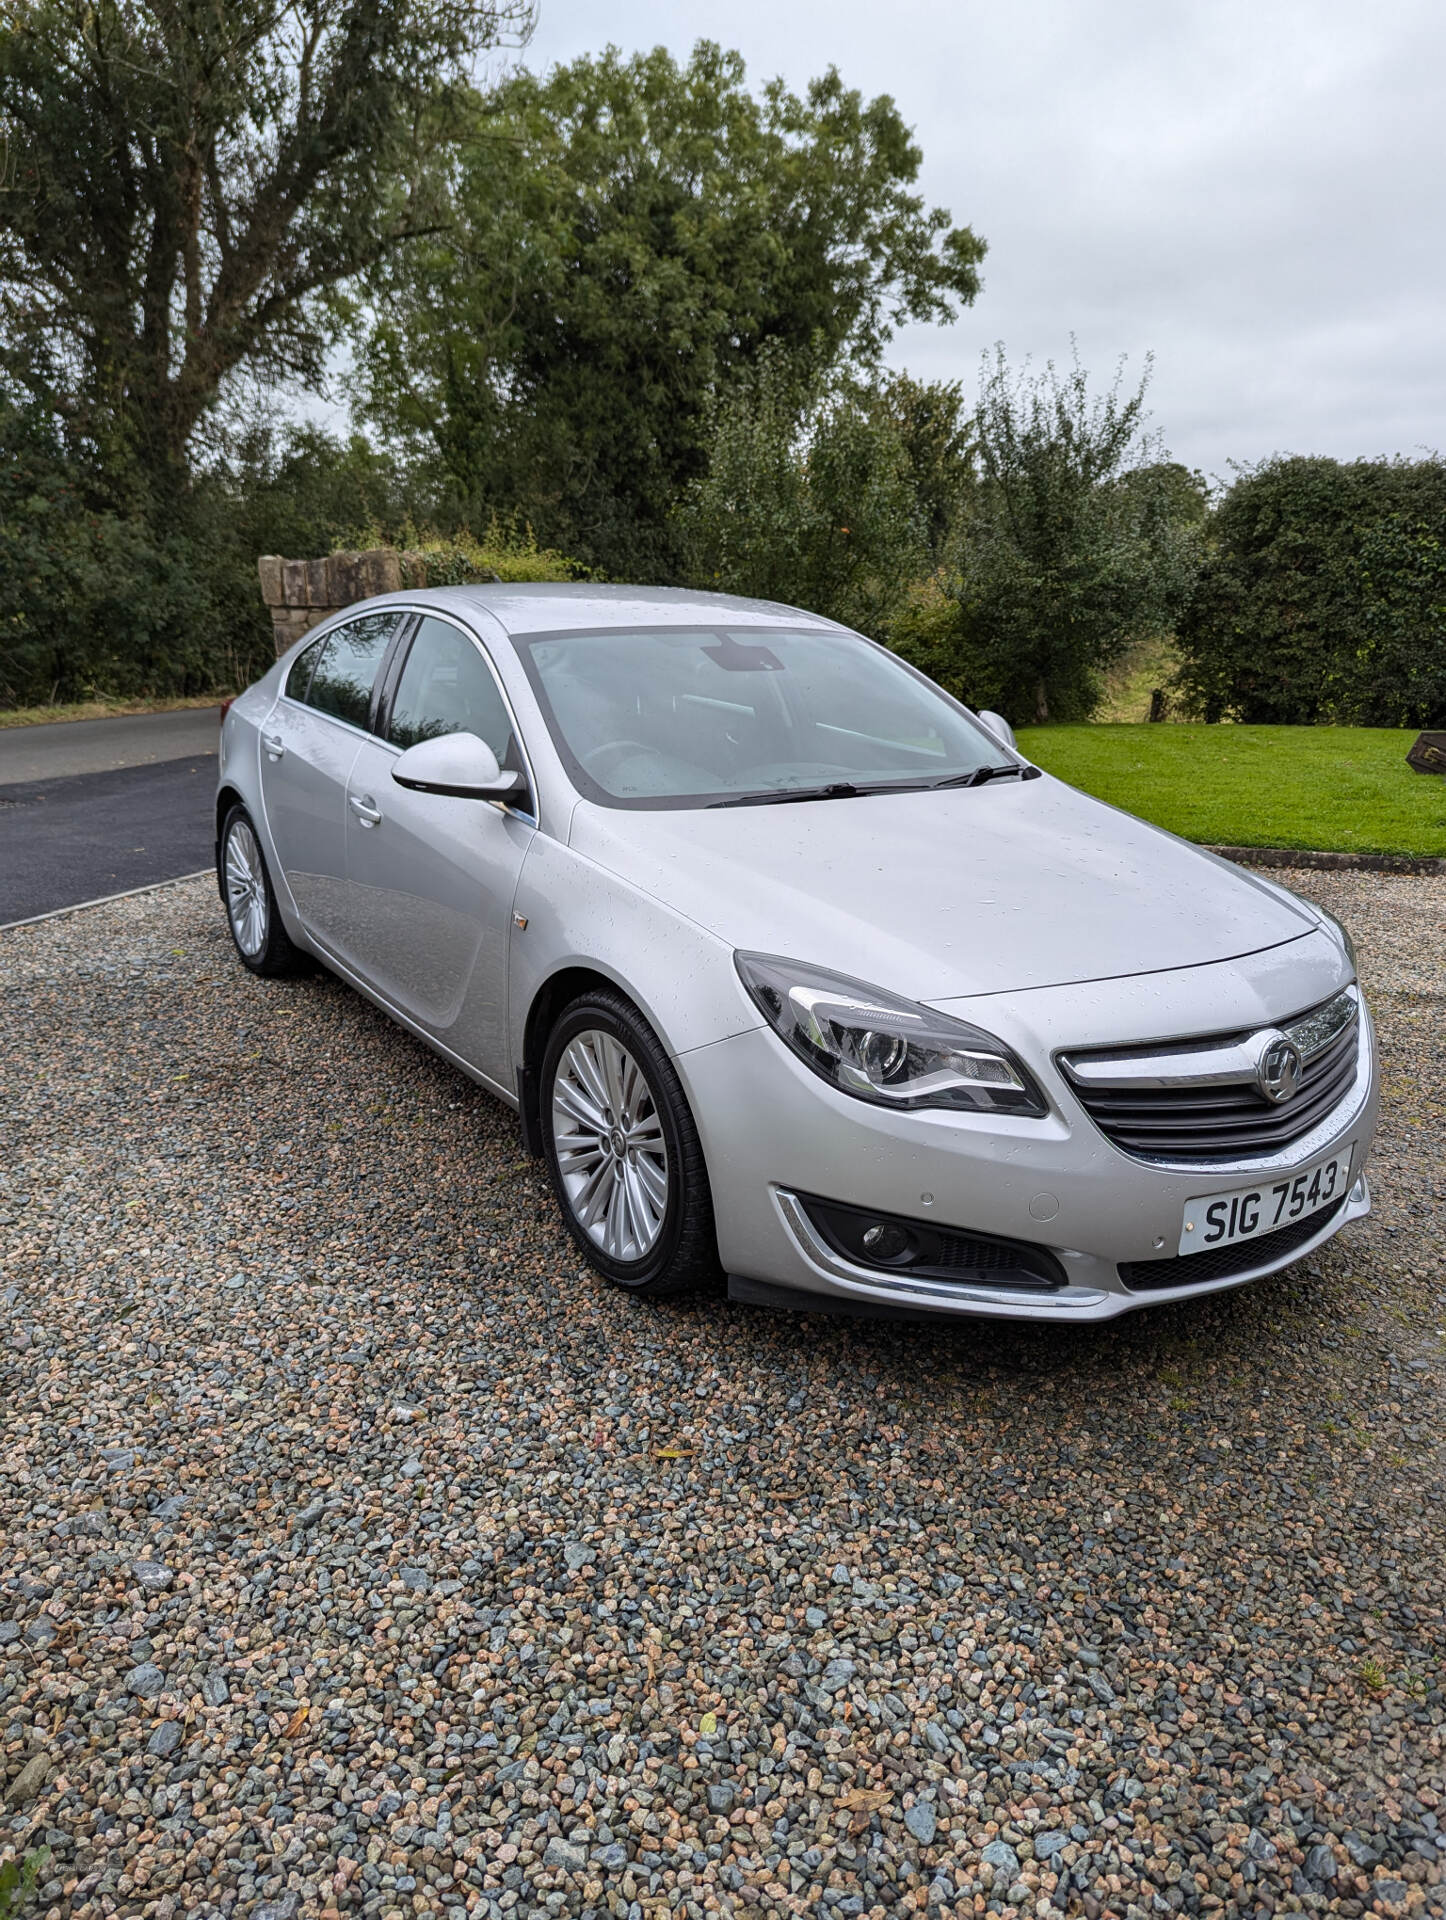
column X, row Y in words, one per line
column 624, row 1155
column 261, row 940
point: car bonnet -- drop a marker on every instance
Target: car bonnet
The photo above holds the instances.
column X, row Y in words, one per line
column 993, row 889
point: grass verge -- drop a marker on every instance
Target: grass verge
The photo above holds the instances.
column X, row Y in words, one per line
column 100, row 709
column 1329, row 789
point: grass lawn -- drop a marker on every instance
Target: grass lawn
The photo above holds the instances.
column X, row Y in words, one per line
column 1334, row 789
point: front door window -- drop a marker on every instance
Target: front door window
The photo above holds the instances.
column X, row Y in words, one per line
column 447, row 687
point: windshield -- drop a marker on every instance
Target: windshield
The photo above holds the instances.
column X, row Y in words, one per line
column 690, row 716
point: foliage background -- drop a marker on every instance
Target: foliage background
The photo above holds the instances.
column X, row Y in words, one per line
column 623, row 319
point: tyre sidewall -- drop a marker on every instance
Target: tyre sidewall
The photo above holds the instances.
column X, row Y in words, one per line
column 601, row 1015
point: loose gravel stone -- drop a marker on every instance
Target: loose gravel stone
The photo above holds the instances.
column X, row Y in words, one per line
column 921, row 1822
column 28, row 1782
column 1004, row 1860
column 1320, row 1864
column 497, row 1592
column 165, row 1739
column 282, row 1909
column 562, row 1853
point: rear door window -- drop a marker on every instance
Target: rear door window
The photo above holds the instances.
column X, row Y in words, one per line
column 345, row 670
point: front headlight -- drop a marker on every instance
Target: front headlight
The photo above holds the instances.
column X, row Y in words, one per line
column 879, row 1047
column 1341, row 934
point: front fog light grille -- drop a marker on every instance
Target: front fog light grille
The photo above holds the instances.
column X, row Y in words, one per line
column 918, row 1250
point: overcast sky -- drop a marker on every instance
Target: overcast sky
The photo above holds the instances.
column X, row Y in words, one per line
column 1251, row 188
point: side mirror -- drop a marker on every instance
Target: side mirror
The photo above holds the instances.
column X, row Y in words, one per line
column 458, row 764
column 998, row 726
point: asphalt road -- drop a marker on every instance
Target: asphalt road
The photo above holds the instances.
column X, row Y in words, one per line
column 94, row 807
column 101, row 746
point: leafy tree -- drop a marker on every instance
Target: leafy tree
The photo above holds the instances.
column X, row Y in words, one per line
column 302, row 492
column 936, row 433
column 629, row 234
column 188, row 187
column 808, row 498
column 1322, row 596
column 1076, row 541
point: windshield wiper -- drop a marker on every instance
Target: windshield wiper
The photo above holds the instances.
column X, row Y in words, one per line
column 836, row 790
column 980, row 774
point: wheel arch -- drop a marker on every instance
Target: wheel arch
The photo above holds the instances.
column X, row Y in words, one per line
column 557, row 991
column 227, row 796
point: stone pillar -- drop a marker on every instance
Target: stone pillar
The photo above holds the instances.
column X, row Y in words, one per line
column 301, row 593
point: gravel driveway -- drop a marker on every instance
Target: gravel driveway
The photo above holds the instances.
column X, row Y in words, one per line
column 362, row 1554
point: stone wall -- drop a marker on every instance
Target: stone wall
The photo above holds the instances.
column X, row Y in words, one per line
column 300, row 593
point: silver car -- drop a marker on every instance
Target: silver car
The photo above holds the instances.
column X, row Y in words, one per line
column 793, row 968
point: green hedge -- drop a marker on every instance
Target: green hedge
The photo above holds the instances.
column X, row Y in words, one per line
column 1323, row 596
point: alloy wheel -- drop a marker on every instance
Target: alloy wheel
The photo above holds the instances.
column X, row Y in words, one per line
column 611, row 1152
column 246, row 901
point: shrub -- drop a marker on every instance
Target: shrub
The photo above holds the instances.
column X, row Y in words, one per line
column 1077, row 542
column 928, row 632
column 1398, row 677
column 502, row 554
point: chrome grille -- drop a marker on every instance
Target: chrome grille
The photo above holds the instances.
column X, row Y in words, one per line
column 1202, row 1101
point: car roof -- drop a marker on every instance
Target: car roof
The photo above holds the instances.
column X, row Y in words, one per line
column 552, row 607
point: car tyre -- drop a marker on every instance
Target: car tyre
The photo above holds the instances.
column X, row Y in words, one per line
column 624, row 1155
column 260, row 938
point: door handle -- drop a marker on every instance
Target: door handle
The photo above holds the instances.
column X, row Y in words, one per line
column 274, row 744
column 366, row 809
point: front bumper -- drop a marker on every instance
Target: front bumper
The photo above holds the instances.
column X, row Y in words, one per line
column 773, row 1131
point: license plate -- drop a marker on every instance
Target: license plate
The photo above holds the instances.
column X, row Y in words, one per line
column 1220, row 1219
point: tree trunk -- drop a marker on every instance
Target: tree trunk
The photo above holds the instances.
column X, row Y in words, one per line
column 1041, row 702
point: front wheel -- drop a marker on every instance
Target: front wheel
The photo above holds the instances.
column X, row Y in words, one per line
column 261, row 940
column 623, row 1152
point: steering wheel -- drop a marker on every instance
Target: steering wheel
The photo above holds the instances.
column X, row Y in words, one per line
column 612, row 747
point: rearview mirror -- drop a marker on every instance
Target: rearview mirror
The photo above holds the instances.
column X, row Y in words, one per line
column 998, row 726
column 458, row 764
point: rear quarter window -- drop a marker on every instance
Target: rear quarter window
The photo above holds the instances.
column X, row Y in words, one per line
column 298, row 678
